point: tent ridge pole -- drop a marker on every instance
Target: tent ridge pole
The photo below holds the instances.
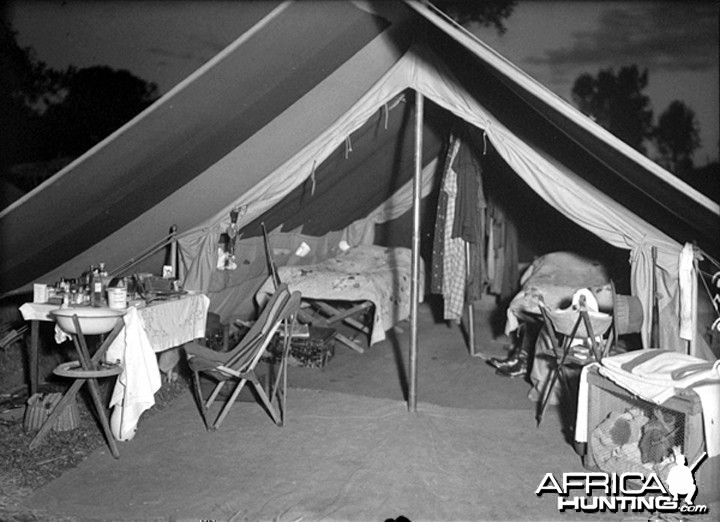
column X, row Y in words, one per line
column 415, row 268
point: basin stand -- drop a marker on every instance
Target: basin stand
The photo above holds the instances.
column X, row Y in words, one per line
column 88, row 364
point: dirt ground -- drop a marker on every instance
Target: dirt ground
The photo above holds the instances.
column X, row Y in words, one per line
column 350, row 450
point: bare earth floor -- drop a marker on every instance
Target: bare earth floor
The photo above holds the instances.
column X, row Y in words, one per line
column 350, row 449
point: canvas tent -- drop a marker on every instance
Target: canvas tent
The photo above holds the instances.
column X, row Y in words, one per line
column 275, row 126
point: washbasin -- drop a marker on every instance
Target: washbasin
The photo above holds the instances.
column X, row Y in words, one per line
column 93, row 320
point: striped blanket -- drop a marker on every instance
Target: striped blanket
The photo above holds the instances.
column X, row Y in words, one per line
column 655, row 375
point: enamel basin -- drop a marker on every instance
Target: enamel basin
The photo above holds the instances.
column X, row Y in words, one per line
column 93, row 321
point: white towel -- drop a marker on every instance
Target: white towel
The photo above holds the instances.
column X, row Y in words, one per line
column 60, row 335
column 581, row 417
column 136, row 386
column 685, row 280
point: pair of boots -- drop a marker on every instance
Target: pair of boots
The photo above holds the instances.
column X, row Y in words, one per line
column 514, row 365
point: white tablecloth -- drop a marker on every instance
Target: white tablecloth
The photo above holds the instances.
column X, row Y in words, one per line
column 148, row 329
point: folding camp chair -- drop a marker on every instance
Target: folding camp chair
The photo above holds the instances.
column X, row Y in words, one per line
column 565, row 328
column 239, row 363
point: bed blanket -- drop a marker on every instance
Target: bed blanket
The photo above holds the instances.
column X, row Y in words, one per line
column 555, row 278
column 362, row 273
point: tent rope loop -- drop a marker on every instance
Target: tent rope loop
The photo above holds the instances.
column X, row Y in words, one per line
column 312, row 178
column 486, row 131
column 348, row 146
column 386, row 114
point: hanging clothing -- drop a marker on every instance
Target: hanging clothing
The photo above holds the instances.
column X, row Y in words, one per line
column 503, row 271
column 470, row 196
column 438, row 263
column 454, row 275
column 458, row 265
column 469, row 221
column 438, row 254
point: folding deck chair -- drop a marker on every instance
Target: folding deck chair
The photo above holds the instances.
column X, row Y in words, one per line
column 239, row 363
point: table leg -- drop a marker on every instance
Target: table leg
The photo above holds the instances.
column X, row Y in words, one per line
column 87, row 364
column 102, row 415
column 33, row 362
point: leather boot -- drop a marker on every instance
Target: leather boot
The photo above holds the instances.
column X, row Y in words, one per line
column 510, row 360
column 519, row 369
column 514, row 366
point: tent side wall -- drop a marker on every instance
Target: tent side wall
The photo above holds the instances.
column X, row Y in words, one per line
column 124, row 194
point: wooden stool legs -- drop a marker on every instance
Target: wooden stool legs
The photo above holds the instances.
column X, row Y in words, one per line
column 87, row 363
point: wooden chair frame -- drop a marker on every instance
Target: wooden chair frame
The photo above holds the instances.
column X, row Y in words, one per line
column 239, row 364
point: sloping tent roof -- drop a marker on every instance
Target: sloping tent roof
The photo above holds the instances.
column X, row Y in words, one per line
column 255, row 123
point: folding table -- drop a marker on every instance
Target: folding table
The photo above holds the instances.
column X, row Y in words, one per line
column 154, row 328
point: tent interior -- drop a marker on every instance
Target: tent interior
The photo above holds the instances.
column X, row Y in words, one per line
column 361, row 191
column 365, row 172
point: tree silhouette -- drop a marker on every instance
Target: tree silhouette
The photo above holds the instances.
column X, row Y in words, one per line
column 486, row 13
column 55, row 113
column 677, row 137
column 26, row 86
column 617, row 103
column 99, row 101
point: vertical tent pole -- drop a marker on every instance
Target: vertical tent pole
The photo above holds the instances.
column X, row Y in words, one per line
column 692, row 343
column 470, row 306
column 415, row 270
column 173, row 250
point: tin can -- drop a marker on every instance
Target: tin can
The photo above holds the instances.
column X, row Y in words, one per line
column 117, row 298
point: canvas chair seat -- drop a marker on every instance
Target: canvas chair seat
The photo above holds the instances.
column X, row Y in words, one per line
column 205, row 359
column 565, row 320
column 239, row 363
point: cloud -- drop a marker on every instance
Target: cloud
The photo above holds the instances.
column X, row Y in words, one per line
column 670, row 37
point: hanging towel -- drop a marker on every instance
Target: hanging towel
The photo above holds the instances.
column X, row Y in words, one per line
column 685, row 280
column 135, row 387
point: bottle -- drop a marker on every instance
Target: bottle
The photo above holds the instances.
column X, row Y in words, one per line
column 73, row 292
column 96, row 289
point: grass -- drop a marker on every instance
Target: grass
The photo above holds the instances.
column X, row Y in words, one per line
column 24, row 471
